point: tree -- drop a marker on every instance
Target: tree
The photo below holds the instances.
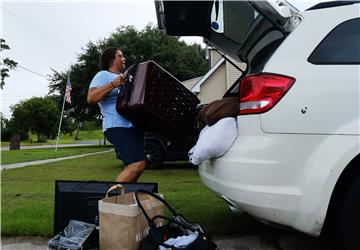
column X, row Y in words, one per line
column 78, row 110
column 37, row 114
column 4, row 121
column 7, row 130
column 181, row 60
column 6, row 63
column 68, row 125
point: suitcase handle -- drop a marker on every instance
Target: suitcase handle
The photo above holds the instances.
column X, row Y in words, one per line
column 129, row 85
column 117, row 186
column 125, row 90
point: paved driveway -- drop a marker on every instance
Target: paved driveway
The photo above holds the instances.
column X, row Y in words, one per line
column 267, row 238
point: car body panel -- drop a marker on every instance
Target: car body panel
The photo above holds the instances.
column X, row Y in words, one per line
column 280, row 178
column 321, row 92
column 285, row 163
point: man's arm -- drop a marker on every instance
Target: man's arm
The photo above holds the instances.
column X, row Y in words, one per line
column 95, row 95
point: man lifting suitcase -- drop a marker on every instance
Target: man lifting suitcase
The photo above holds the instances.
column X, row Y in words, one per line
column 128, row 140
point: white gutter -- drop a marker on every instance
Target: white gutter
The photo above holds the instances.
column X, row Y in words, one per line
column 196, row 88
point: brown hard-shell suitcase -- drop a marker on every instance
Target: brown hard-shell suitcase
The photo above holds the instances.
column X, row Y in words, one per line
column 156, row 101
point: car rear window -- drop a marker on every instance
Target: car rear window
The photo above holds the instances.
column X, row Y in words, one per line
column 238, row 17
column 340, row 46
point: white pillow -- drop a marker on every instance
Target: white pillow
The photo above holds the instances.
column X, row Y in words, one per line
column 214, row 141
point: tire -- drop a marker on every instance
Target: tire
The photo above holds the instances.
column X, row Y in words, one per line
column 154, row 155
column 346, row 218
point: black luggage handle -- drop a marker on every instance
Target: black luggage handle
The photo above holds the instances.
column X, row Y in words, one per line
column 157, row 198
column 172, row 221
column 127, row 88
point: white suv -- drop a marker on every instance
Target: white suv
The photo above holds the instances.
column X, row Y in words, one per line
column 296, row 160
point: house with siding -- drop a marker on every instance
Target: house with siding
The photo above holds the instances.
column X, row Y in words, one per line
column 217, row 80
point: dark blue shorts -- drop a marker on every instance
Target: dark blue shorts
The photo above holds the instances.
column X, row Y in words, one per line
column 129, row 143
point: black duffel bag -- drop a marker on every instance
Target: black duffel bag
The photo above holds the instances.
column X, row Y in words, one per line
column 172, row 228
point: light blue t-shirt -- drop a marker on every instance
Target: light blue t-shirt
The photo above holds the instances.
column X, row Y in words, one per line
column 107, row 105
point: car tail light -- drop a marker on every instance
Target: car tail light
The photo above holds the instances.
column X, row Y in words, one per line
column 260, row 92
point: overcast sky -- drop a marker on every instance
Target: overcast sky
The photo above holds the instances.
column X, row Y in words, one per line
column 48, row 34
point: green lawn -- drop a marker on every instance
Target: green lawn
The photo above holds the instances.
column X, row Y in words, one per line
column 14, row 156
column 85, row 135
column 28, row 195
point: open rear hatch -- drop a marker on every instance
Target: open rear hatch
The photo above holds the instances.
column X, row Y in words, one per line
column 233, row 27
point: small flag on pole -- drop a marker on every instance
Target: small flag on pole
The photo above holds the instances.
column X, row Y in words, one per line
column 67, row 98
column 68, row 90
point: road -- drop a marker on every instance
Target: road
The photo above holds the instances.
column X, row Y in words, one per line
column 280, row 240
column 37, row 162
column 79, row 144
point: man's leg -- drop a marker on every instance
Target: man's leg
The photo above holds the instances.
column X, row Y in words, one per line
column 132, row 172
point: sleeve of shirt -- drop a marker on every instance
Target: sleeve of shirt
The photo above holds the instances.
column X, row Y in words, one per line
column 98, row 80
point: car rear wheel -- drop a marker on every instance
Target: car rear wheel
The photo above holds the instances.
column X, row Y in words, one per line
column 346, row 217
column 154, row 154
column 350, row 221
